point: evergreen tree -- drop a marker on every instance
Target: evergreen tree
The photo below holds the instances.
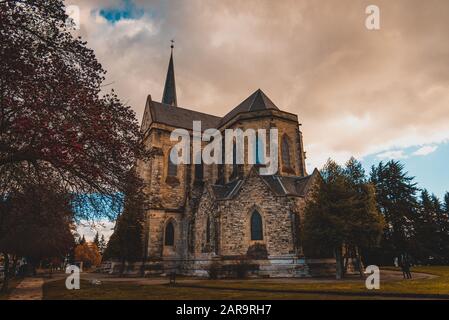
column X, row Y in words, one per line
column 442, row 221
column 354, row 172
column 97, row 240
column 427, row 231
column 340, row 216
column 396, row 200
column 126, row 243
column 365, row 213
column 82, row 240
column 446, row 203
column 102, row 244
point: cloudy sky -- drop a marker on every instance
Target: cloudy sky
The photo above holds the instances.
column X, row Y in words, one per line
column 376, row 95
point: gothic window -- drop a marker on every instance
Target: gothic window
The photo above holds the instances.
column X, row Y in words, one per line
column 172, row 168
column 256, row 226
column 221, row 171
column 169, row 234
column 234, row 160
column 259, row 150
column 285, row 152
column 208, row 230
column 199, row 171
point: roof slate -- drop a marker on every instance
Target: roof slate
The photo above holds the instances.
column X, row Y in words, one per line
column 255, row 102
column 281, row 186
column 183, row 118
column 180, row 117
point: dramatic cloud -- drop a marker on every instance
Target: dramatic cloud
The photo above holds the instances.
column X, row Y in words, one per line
column 425, row 150
column 89, row 229
column 393, row 154
column 356, row 91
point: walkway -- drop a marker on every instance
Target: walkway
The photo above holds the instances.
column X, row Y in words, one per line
column 28, row 289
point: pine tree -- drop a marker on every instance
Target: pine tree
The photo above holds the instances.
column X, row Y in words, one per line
column 354, row 172
column 341, row 216
column 443, row 226
column 426, row 230
column 397, row 202
column 365, row 213
column 97, row 240
column 446, row 203
column 102, row 244
column 126, row 243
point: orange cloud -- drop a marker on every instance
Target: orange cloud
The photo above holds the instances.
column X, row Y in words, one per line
column 355, row 91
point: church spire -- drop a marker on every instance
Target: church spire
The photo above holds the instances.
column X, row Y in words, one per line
column 169, row 96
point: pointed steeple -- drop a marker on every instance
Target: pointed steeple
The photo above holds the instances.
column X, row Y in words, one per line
column 169, row 96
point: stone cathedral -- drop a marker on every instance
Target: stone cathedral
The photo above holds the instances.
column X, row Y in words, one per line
column 224, row 218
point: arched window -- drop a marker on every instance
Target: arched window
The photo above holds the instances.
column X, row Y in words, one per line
column 199, row 171
column 256, row 226
column 260, row 157
column 169, row 234
column 221, row 171
column 234, row 160
column 172, row 168
column 285, row 152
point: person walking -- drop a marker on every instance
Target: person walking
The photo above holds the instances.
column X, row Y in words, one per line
column 405, row 266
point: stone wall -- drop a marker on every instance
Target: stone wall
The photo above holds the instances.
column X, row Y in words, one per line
column 286, row 126
column 230, row 221
column 235, row 217
column 157, row 222
column 217, row 232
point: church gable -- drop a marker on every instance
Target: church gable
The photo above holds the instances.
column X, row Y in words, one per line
column 237, row 229
column 146, row 119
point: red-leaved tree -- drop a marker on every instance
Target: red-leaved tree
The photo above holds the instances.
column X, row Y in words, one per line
column 54, row 121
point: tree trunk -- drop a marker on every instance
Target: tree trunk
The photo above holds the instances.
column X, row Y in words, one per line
column 14, row 266
column 33, row 268
column 339, row 263
column 145, row 253
column 122, row 268
column 6, row 273
column 359, row 261
column 345, row 260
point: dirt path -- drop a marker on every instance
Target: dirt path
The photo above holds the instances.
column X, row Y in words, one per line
column 28, row 289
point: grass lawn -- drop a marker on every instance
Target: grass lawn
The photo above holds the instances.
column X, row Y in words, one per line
column 438, row 285
column 124, row 291
column 216, row 289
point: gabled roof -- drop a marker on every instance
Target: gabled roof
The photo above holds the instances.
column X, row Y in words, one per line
column 290, row 186
column 255, row 102
column 279, row 185
column 179, row 117
column 226, row 191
